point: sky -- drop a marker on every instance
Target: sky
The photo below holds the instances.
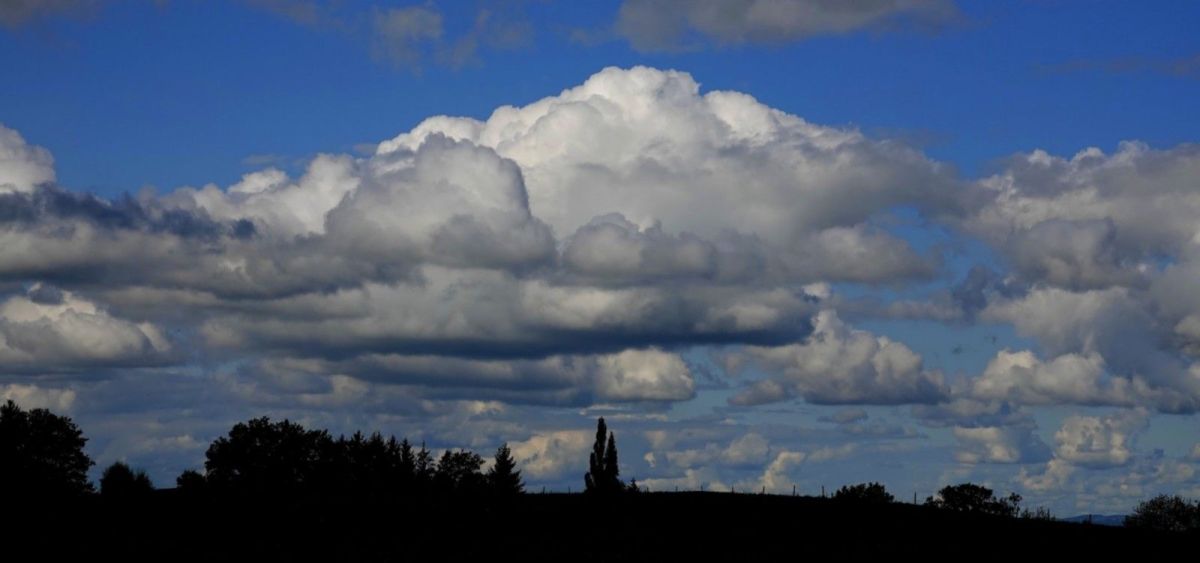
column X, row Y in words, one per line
column 774, row 243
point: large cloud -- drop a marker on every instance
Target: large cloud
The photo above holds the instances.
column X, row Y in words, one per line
column 1103, row 249
column 841, row 365
column 631, row 375
column 48, row 330
column 1022, row 377
column 1091, row 334
column 1090, row 441
column 1094, row 220
column 493, row 314
column 643, row 180
column 691, row 175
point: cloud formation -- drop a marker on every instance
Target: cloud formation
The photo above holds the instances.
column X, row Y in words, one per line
column 583, row 252
column 47, row 330
column 576, row 225
column 840, row 365
column 22, row 166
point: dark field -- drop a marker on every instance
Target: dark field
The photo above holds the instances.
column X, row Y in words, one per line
column 558, row 527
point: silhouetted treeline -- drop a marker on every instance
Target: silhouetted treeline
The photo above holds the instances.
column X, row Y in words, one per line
column 284, row 459
column 1171, row 513
column 864, row 492
column 274, row 489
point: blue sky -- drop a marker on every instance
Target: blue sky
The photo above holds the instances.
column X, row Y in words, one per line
column 345, row 291
column 196, row 88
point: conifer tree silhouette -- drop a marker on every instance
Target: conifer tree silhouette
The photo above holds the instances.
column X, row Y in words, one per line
column 603, row 474
column 503, row 478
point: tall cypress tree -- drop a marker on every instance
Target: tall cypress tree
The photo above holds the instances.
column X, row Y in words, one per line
column 611, row 471
column 602, row 476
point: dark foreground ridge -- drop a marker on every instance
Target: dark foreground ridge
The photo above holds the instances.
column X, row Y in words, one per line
column 275, row 490
column 558, row 527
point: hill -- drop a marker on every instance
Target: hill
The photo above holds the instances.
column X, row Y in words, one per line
column 558, row 527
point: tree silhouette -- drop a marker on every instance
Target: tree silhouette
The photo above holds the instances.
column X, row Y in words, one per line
column 260, row 456
column 371, row 465
column 459, row 472
column 603, row 476
column 407, row 464
column 1166, row 512
column 503, row 478
column 41, row 453
column 119, row 481
column 191, row 482
column 424, row 467
column 969, row 497
column 864, row 492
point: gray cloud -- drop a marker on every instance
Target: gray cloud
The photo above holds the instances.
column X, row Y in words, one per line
column 668, row 25
column 403, row 35
column 846, row 416
column 15, row 13
column 305, row 12
column 1184, row 67
column 1093, row 220
column 48, row 330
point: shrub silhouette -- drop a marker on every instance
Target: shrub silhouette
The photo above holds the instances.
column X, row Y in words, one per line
column 1041, row 513
column 191, row 482
column 119, row 481
column 41, row 454
column 1166, row 512
column 502, row 477
column 864, row 492
column 603, row 476
column 968, row 497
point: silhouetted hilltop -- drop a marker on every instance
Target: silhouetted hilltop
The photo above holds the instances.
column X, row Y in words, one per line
column 559, row 527
column 274, row 490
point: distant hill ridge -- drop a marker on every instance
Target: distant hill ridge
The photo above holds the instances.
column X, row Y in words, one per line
column 1098, row 519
